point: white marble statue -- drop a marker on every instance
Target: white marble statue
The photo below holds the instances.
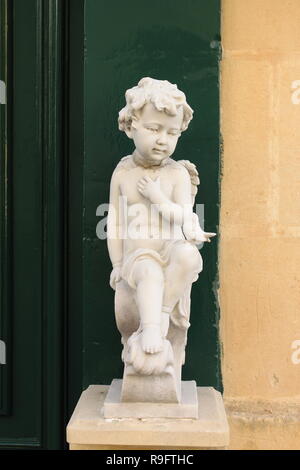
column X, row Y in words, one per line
column 152, row 238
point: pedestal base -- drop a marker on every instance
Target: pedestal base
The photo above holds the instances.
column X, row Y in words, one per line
column 187, row 408
column 88, row 429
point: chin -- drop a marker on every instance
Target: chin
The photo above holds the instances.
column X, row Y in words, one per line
column 157, row 158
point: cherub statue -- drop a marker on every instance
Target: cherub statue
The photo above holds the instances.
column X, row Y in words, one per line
column 152, row 229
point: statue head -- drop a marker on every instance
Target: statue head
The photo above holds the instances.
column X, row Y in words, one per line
column 155, row 114
column 164, row 96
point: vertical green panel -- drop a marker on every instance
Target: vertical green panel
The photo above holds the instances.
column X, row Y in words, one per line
column 75, row 198
column 126, row 41
column 5, row 221
column 26, row 227
column 36, row 314
column 52, row 23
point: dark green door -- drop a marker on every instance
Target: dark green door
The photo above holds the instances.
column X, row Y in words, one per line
column 32, row 232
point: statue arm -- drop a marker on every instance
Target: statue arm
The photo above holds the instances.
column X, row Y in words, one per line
column 114, row 227
column 174, row 211
column 168, row 209
column 182, row 195
column 191, row 226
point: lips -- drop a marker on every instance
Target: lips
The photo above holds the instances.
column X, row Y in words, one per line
column 159, row 151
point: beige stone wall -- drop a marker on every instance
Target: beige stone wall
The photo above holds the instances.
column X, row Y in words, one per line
column 260, row 221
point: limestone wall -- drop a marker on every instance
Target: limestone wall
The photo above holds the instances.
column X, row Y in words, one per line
column 260, row 222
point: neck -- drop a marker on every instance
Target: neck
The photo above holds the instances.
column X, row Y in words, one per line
column 140, row 161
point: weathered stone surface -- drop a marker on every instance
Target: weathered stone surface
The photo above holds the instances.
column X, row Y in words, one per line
column 260, row 222
column 88, row 429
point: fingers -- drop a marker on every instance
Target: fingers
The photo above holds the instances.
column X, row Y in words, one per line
column 142, row 185
column 145, row 179
column 141, row 188
column 200, row 238
column 206, row 237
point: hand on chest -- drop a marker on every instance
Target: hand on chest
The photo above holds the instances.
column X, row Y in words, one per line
column 129, row 186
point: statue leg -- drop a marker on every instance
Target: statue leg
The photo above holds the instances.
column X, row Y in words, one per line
column 149, row 280
column 183, row 269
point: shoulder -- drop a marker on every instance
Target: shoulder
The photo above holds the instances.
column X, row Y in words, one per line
column 191, row 170
column 174, row 165
column 178, row 168
column 126, row 163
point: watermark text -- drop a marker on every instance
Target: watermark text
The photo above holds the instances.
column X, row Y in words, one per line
column 295, row 357
column 2, row 352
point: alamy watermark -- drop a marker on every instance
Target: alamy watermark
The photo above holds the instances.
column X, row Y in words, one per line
column 156, row 221
column 295, row 357
column 296, row 93
column 2, row 352
column 2, row 343
column 2, row 92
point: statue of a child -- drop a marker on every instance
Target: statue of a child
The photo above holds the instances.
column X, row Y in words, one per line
column 161, row 263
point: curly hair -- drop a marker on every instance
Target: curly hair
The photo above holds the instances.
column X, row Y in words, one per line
column 164, row 96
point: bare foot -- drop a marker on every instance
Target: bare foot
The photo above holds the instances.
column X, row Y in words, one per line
column 151, row 339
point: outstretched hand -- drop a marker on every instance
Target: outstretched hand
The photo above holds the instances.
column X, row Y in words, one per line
column 204, row 236
column 197, row 236
column 194, row 233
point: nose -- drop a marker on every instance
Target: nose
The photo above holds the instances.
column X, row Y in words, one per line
column 162, row 138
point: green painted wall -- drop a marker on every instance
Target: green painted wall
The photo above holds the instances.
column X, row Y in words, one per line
column 125, row 41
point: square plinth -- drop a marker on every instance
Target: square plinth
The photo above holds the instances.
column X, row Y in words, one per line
column 88, row 429
column 187, row 408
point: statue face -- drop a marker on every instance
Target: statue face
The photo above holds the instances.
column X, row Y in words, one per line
column 156, row 133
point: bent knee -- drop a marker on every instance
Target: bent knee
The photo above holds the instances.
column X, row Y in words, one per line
column 188, row 257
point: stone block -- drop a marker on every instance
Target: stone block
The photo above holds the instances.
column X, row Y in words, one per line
column 88, row 429
column 114, row 407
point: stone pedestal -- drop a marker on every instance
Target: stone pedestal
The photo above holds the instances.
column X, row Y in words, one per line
column 88, row 429
column 116, row 407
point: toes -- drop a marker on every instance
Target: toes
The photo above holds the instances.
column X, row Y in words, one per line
column 151, row 349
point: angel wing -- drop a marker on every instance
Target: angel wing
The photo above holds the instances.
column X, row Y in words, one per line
column 194, row 175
